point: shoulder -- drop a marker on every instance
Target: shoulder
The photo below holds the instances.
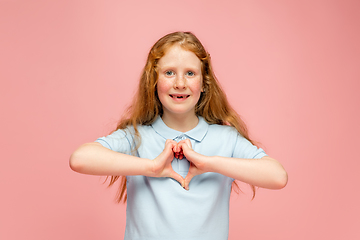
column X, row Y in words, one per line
column 124, row 139
column 122, row 133
column 223, row 130
column 130, row 130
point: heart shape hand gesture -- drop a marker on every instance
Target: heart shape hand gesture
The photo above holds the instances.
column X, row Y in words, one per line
column 162, row 163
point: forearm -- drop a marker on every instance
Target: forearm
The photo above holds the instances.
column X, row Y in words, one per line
column 94, row 159
column 265, row 172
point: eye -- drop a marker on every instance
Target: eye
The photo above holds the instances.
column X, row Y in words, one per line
column 190, row 73
column 169, row 73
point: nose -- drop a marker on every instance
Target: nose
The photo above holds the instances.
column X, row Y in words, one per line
column 180, row 82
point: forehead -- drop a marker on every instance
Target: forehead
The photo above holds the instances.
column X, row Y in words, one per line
column 178, row 56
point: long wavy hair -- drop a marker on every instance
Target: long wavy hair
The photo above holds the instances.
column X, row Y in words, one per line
column 145, row 107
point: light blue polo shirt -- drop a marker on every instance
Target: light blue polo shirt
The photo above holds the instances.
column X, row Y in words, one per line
column 159, row 208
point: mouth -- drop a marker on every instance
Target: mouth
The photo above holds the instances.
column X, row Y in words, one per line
column 179, row 96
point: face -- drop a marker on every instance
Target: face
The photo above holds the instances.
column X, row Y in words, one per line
column 179, row 82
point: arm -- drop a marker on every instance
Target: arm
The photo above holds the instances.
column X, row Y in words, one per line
column 265, row 172
column 93, row 158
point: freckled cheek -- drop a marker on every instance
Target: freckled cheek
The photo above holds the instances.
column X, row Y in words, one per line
column 195, row 85
column 163, row 86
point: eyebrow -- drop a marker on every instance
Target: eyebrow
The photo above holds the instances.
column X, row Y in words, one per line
column 171, row 66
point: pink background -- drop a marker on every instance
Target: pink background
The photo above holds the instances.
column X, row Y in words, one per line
column 290, row 68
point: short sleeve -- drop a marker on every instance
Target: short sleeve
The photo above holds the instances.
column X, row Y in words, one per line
column 245, row 149
column 119, row 141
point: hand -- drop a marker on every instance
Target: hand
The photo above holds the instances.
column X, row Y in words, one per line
column 162, row 163
column 178, row 152
column 197, row 163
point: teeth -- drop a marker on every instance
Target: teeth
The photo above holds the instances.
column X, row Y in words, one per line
column 179, row 96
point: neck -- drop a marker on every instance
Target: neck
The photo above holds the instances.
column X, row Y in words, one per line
column 182, row 123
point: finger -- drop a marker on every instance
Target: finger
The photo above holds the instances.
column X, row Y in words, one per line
column 181, row 155
column 168, row 151
column 168, row 141
column 169, row 144
column 191, row 173
column 178, row 177
column 187, row 180
column 186, row 151
column 177, row 147
column 188, row 143
column 185, row 144
column 176, row 151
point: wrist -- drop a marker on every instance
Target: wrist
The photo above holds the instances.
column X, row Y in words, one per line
column 208, row 163
column 211, row 162
column 149, row 168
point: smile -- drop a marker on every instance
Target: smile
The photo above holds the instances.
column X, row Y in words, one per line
column 179, row 96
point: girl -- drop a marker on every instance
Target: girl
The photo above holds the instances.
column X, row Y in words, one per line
column 179, row 148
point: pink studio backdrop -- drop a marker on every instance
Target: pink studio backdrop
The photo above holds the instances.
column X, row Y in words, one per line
column 291, row 69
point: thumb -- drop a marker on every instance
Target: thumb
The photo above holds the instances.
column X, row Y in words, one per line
column 178, row 177
column 187, row 180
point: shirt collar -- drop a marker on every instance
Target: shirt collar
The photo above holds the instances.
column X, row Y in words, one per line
column 197, row 133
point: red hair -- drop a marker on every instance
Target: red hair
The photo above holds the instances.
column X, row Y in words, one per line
column 213, row 105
